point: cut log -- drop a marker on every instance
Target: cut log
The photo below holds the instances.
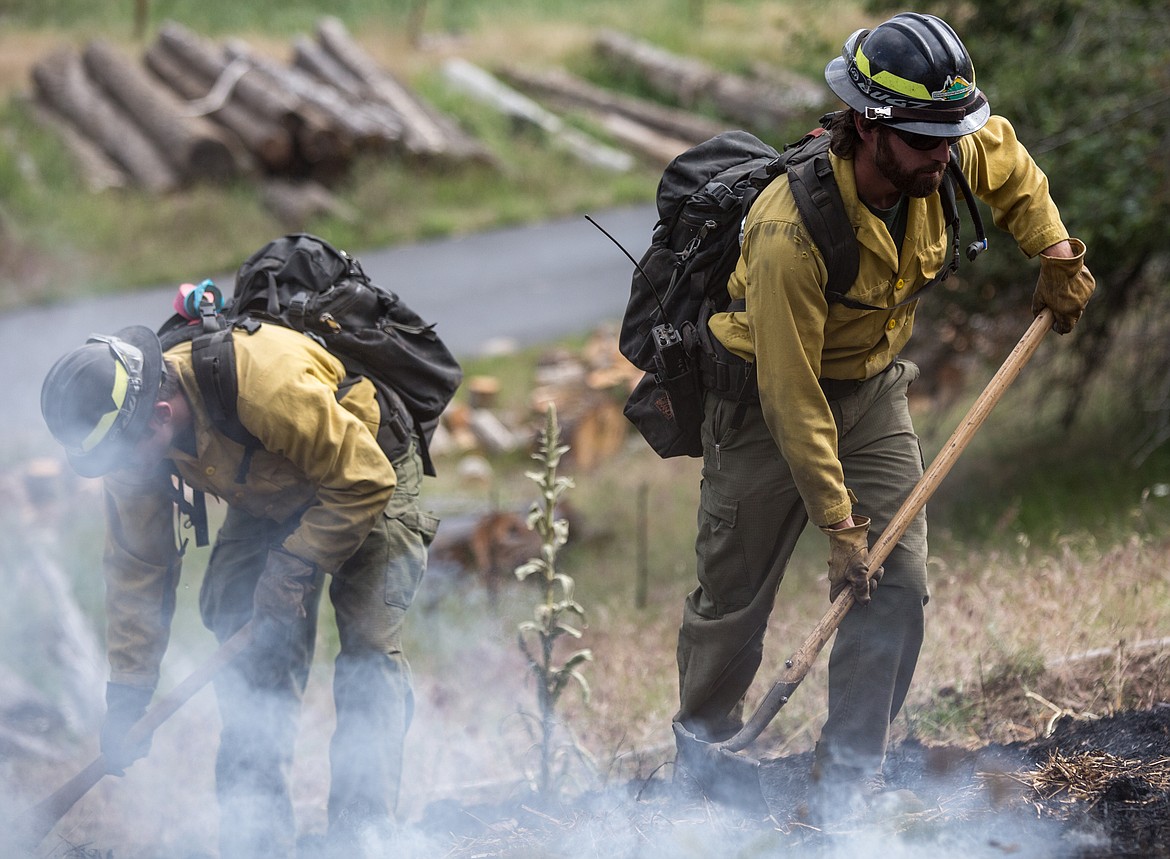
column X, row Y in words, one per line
column 592, row 423
column 98, row 170
column 690, row 82
column 800, row 90
column 481, row 85
column 318, row 150
column 562, row 89
column 483, row 391
column 658, row 147
column 270, row 144
column 314, row 59
column 427, row 133
column 311, row 58
column 210, row 61
column 197, row 149
column 357, row 131
column 61, row 83
column 491, row 433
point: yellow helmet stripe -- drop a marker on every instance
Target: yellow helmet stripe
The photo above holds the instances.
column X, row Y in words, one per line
column 118, row 396
column 891, row 81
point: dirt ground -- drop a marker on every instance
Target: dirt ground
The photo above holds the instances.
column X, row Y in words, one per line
column 1093, row 789
column 1086, row 786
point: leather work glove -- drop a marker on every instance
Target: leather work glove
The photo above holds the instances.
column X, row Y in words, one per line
column 849, row 561
column 283, row 588
column 1065, row 286
column 125, row 705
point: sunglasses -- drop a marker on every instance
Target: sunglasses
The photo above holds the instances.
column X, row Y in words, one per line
column 921, row 142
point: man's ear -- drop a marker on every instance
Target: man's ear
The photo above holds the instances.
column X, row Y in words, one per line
column 866, row 129
column 163, row 414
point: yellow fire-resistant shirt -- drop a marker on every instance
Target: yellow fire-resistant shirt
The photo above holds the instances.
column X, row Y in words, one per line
column 319, row 456
column 795, row 337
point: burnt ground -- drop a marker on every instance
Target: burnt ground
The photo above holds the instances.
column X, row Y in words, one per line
column 1091, row 789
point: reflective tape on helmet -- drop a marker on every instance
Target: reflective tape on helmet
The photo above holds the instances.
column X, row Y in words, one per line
column 889, row 80
column 118, row 398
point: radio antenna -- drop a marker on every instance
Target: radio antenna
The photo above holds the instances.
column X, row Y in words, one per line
column 637, row 265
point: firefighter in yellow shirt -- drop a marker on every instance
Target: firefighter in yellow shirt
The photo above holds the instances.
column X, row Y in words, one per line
column 319, row 498
column 830, row 438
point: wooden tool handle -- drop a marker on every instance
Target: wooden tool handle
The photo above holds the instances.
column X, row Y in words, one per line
column 32, row 826
column 798, row 665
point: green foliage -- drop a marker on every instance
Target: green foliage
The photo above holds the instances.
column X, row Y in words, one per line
column 558, row 614
column 1087, row 87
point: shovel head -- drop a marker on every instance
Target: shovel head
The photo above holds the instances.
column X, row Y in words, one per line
column 722, row 775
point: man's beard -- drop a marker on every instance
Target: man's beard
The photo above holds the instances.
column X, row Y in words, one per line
column 913, row 184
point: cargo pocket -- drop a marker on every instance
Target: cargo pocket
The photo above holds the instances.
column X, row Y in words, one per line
column 408, row 537
column 722, row 569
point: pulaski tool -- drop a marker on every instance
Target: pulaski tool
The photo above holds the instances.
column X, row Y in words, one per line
column 721, row 771
column 31, row 827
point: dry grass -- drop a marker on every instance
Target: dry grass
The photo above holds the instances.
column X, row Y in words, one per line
column 1084, row 776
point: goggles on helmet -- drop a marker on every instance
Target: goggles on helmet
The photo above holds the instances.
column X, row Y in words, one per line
column 128, row 364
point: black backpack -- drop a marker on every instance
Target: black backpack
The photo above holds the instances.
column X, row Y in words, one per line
column 302, row 282
column 703, row 198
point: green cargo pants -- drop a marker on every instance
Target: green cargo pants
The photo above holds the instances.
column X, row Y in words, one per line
column 750, row 517
column 260, row 694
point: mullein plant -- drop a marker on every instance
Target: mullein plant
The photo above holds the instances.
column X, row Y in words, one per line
column 557, row 614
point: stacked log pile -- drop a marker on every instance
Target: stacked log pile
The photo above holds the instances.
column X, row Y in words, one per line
column 767, row 100
column 192, row 110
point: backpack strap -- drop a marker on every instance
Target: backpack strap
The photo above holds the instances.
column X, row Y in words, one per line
column 195, row 510
column 818, row 199
column 213, row 357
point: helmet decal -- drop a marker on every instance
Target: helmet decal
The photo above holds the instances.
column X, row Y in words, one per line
column 955, row 88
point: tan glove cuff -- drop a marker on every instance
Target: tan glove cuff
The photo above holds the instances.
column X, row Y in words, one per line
column 1065, row 286
column 1069, row 265
column 854, row 535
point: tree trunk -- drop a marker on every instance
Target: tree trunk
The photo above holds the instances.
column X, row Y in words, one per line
column 318, row 149
column 427, row 133
column 210, row 61
column 356, row 130
column 61, row 83
column 194, row 147
column 569, row 91
column 658, row 147
column 691, row 82
column 98, row 170
column 314, row 60
column 480, row 85
column 270, row 144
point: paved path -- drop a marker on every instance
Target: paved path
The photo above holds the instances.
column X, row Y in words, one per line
column 524, row 285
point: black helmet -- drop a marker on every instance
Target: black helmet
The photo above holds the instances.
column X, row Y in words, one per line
column 98, row 399
column 911, row 72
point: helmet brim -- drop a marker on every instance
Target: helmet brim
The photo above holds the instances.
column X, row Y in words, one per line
column 837, row 77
